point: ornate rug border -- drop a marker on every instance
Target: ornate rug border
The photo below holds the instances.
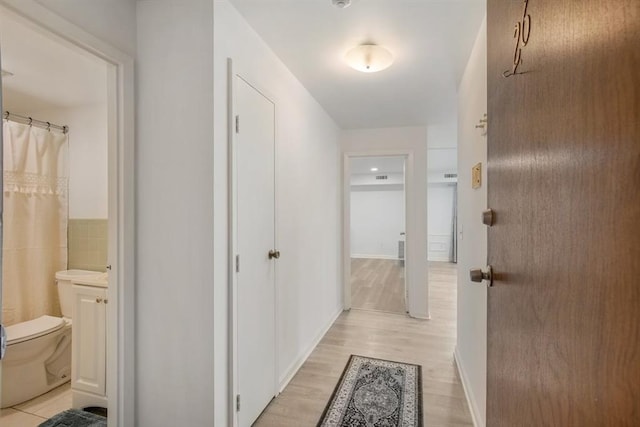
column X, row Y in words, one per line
column 346, row 369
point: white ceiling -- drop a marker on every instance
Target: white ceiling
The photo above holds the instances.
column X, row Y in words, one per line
column 46, row 73
column 430, row 39
column 363, row 165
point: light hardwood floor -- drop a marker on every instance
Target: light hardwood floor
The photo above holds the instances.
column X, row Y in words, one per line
column 377, row 284
column 429, row 343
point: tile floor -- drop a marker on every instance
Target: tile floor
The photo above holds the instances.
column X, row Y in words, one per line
column 35, row 411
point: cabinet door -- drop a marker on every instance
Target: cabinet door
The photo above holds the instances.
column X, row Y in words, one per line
column 88, row 333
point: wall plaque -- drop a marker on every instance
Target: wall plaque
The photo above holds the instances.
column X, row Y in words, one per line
column 476, row 176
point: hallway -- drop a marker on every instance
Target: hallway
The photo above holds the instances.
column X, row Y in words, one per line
column 377, row 284
column 429, row 343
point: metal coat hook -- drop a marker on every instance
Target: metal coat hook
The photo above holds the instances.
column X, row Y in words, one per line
column 482, row 124
column 48, row 126
column 30, row 121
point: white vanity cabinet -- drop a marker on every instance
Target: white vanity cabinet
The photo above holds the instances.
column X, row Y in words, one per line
column 89, row 330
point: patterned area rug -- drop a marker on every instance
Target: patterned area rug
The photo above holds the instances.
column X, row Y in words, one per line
column 376, row 393
column 75, row 418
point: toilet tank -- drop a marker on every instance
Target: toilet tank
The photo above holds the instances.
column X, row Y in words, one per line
column 64, row 280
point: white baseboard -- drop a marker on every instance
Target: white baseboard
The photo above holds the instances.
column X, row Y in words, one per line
column 375, row 256
column 297, row 364
column 421, row 316
column 473, row 405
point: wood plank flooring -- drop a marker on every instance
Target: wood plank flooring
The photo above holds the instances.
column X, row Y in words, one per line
column 429, row 343
column 377, row 284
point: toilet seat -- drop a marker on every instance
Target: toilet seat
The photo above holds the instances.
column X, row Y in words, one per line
column 33, row 329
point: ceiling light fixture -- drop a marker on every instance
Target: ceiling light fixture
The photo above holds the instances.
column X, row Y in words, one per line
column 369, row 58
column 374, row 169
column 341, row 3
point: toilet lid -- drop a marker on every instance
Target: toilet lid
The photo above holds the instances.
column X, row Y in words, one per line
column 33, row 328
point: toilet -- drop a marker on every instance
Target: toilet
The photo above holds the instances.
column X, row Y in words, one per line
column 38, row 356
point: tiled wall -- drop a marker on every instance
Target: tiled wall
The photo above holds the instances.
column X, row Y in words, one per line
column 88, row 244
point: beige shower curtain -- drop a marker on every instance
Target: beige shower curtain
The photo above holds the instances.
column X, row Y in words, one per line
column 35, row 220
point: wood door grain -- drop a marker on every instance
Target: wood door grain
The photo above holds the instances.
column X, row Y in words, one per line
column 564, row 181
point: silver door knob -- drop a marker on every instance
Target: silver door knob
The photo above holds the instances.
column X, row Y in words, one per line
column 274, row 254
column 477, row 275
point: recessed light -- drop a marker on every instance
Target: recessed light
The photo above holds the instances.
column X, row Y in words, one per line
column 374, row 169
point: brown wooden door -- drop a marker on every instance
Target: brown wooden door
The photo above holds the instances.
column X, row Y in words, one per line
column 564, row 181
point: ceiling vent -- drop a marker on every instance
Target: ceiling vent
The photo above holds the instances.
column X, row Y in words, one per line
column 450, row 175
column 382, row 177
column 341, row 3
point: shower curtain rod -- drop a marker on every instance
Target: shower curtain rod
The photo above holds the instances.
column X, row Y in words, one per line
column 33, row 122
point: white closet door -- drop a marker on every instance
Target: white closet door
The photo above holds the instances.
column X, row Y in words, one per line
column 255, row 157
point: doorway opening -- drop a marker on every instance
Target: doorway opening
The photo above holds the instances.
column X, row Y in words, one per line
column 67, row 140
column 442, row 213
column 56, row 231
column 442, row 207
column 377, row 224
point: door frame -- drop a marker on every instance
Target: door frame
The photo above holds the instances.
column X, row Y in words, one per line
column 346, row 219
column 232, row 279
column 121, row 172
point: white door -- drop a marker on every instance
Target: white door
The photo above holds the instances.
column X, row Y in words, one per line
column 255, row 231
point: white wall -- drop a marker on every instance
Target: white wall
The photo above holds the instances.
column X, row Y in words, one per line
column 112, row 21
column 443, row 159
column 88, row 157
column 377, row 219
column 307, row 201
column 174, row 232
column 440, row 221
column 471, row 347
column 443, row 135
column 384, row 142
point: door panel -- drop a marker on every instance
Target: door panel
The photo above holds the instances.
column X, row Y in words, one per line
column 88, row 340
column 255, row 149
column 563, row 179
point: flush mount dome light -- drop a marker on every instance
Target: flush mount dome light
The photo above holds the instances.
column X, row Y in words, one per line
column 369, row 58
column 341, row 3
